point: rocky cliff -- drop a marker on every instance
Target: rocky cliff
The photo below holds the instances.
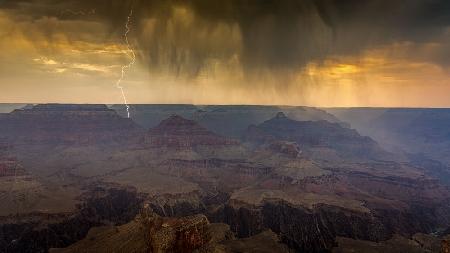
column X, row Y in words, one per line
column 177, row 132
column 315, row 137
column 57, row 124
column 38, row 232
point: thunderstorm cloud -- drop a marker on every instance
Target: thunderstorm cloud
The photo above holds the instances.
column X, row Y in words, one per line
column 314, row 52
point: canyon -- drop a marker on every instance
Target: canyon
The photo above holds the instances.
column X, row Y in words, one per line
column 82, row 178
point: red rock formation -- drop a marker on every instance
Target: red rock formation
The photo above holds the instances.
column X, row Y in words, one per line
column 175, row 234
column 291, row 149
column 197, row 170
column 445, row 246
column 177, row 132
column 9, row 166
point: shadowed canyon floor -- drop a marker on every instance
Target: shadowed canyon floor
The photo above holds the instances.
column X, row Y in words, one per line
column 82, row 178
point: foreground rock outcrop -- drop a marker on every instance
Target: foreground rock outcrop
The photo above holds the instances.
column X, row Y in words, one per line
column 149, row 232
column 445, row 246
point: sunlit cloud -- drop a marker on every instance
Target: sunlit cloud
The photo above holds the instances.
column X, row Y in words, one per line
column 61, row 67
column 45, row 61
column 186, row 55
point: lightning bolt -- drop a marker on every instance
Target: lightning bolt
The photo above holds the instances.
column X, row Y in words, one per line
column 130, row 53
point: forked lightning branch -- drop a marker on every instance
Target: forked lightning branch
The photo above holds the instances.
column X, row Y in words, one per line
column 130, row 53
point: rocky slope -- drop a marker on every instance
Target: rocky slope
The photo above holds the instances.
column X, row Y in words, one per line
column 22, row 192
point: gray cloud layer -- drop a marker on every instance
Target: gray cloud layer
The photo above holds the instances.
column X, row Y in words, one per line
column 274, row 34
column 313, row 52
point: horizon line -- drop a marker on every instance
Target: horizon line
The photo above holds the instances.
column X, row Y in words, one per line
column 262, row 105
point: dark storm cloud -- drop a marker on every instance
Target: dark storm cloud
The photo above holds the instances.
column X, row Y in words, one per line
column 273, row 34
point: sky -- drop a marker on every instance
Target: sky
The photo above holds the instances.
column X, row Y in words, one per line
column 327, row 53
